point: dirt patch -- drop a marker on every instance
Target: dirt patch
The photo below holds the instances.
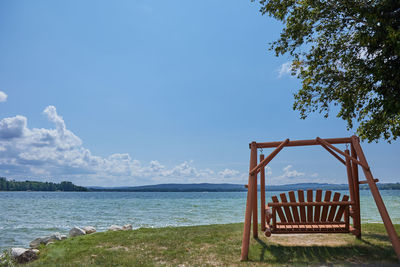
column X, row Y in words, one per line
column 118, row 248
column 307, row 240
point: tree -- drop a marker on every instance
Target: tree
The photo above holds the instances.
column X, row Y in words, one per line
column 347, row 54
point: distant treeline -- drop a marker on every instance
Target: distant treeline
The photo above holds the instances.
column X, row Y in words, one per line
column 12, row 185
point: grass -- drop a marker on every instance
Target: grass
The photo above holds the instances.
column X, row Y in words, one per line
column 217, row 245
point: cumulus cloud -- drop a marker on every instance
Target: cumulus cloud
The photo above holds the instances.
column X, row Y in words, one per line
column 12, row 127
column 3, row 96
column 289, row 175
column 228, row 173
column 58, row 153
column 285, row 68
column 288, row 172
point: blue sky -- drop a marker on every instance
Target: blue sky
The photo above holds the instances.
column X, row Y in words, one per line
column 145, row 92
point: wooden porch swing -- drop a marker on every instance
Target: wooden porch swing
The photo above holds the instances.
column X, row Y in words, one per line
column 314, row 215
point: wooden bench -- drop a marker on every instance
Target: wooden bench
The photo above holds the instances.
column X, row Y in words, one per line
column 314, row 215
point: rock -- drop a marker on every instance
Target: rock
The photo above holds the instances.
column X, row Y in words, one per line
column 127, row 227
column 63, row 237
column 114, row 228
column 51, row 238
column 28, row 255
column 36, row 243
column 36, row 251
column 89, row 229
column 16, row 252
column 49, row 243
column 46, row 239
column 76, row 231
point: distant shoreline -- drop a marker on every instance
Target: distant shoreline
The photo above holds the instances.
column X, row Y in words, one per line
column 35, row 186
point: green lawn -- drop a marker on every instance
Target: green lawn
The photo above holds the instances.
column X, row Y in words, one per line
column 213, row 245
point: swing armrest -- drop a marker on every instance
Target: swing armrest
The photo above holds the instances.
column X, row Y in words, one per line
column 268, row 214
column 268, row 217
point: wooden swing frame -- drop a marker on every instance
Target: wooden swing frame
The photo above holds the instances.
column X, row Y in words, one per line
column 351, row 208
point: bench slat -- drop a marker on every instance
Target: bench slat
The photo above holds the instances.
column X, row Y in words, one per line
column 295, row 210
column 286, row 208
column 302, row 208
column 309, row 208
column 341, row 209
column 279, row 209
column 317, row 211
column 332, row 211
column 325, row 208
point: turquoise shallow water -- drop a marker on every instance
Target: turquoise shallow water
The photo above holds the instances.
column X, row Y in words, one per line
column 27, row 215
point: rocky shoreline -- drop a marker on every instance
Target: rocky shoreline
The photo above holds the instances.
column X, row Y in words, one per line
column 23, row 255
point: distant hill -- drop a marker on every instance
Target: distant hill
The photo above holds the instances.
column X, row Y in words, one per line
column 203, row 187
column 207, row 187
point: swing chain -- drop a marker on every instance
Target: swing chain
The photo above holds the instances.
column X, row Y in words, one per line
column 261, row 150
column 347, row 146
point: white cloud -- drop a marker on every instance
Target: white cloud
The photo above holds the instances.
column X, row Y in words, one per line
column 286, row 68
column 228, row 173
column 289, row 173
column 59, row 154
column 3, row 96
column 12, row 127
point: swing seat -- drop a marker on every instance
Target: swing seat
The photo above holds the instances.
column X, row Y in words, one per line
column 300, row 216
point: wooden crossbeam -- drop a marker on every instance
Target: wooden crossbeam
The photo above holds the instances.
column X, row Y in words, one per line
column 333, row 153
column 299, row 204
column 269, row 158
column 322, row 141
column 366, row 182
column 312, row 142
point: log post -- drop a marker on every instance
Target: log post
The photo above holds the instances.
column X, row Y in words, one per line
column 255, row 209
column 262, row 195
column 378, row 199
column 350, row 176
column 249, row 204
column 356, row 186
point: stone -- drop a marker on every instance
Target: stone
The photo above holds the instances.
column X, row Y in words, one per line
column 46, row 239
column 36, row 251
column 36, row 243
column 63, row 237
column 49, row 243
column 89, row 229
column 27, row 256
column 127, row 227
column 76, row 231
column 16, row 252
column 114, row 228
column 51, row 238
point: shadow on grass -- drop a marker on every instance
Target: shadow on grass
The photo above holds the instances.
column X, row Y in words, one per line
column 364, row 251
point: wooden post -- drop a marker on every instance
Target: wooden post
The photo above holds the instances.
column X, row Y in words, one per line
column 249, row 204
column 262, row 195
column 255, row 209
column 350, row 176
column 378, row 199
column 357, row 206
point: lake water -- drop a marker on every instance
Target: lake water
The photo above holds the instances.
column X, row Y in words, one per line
column 27, row 215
